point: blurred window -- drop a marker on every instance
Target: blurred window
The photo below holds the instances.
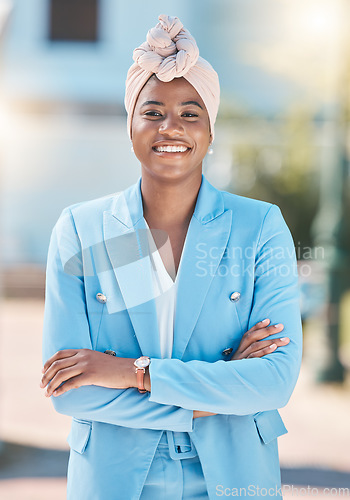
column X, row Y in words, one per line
column 73, row 20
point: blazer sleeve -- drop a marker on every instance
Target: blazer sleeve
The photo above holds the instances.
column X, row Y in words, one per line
column 246, row 386
column 66, row 326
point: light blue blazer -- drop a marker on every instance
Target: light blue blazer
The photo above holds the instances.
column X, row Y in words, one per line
column 234, row 244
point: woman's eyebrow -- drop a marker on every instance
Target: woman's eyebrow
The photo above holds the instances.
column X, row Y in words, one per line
column 156, row 103
column 191, row 102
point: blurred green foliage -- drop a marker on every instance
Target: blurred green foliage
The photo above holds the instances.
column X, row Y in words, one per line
column 282, row 168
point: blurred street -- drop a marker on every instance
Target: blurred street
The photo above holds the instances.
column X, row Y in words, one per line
column 33, row 462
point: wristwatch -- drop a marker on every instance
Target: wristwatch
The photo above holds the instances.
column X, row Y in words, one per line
column 141, row 365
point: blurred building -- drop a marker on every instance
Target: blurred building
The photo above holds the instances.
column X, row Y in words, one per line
column 63, row 66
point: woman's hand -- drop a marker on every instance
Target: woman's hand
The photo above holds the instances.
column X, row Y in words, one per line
column 76, row 367
column 252, row 345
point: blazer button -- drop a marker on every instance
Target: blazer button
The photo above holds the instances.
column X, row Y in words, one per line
column 101, row 298
column 227, row 351
column 235, row 296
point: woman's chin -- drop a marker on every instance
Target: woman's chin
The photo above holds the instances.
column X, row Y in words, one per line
column 170, row 172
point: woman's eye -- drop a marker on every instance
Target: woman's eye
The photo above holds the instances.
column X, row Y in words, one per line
column 152, row 113
column 190, row 115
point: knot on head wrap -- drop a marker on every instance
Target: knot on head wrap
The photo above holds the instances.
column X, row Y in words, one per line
column 171, row 52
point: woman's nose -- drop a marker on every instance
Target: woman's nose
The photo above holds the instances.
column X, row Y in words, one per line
column 171, row 126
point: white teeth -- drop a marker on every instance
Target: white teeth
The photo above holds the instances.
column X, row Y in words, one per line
column 171, row 149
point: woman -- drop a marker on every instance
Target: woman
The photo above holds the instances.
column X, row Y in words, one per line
column 163, row 308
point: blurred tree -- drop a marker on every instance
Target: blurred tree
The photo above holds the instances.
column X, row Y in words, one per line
column 282, row 169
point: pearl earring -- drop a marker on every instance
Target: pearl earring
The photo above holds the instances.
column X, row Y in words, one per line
column 210, row 150
column 132, row 148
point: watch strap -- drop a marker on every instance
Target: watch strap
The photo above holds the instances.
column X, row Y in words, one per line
column 140, row 376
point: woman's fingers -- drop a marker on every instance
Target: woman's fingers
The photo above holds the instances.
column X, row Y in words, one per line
column 252, row 335
column 261, row 333
column 65, row 365
column 258, row 326
column 61, row 377
column 251, row 340
column 263, row 347
column 65, row 353
column 55, row 368
column 72, row 383
column 86, row 367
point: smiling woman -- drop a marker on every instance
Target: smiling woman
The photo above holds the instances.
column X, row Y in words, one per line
column 172, row 370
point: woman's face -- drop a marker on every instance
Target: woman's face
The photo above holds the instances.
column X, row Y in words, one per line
column 170, row 129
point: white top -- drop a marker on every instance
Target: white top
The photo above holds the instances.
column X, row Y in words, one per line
column 165, row 290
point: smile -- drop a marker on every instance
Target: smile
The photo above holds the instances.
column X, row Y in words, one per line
column 171, row 149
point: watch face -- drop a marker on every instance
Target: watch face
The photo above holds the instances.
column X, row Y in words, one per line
column 142, row 362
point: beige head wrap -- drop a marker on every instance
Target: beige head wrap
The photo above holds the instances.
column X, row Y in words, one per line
column 171, row 52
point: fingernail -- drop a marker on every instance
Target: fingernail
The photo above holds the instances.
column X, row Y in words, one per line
column 273, row 346
column 278, row 325
column 284, row 339
column 41, row 384
column 265, row 320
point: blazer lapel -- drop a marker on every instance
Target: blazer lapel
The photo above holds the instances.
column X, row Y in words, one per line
column 126, row 241
column 209, row 229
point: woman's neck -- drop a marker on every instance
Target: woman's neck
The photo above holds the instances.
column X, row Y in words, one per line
column 168, row 205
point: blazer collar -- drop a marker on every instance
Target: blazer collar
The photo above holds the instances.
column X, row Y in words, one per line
column 128, row 207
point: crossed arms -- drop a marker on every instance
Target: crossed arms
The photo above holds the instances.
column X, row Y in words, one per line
column 257, row 377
